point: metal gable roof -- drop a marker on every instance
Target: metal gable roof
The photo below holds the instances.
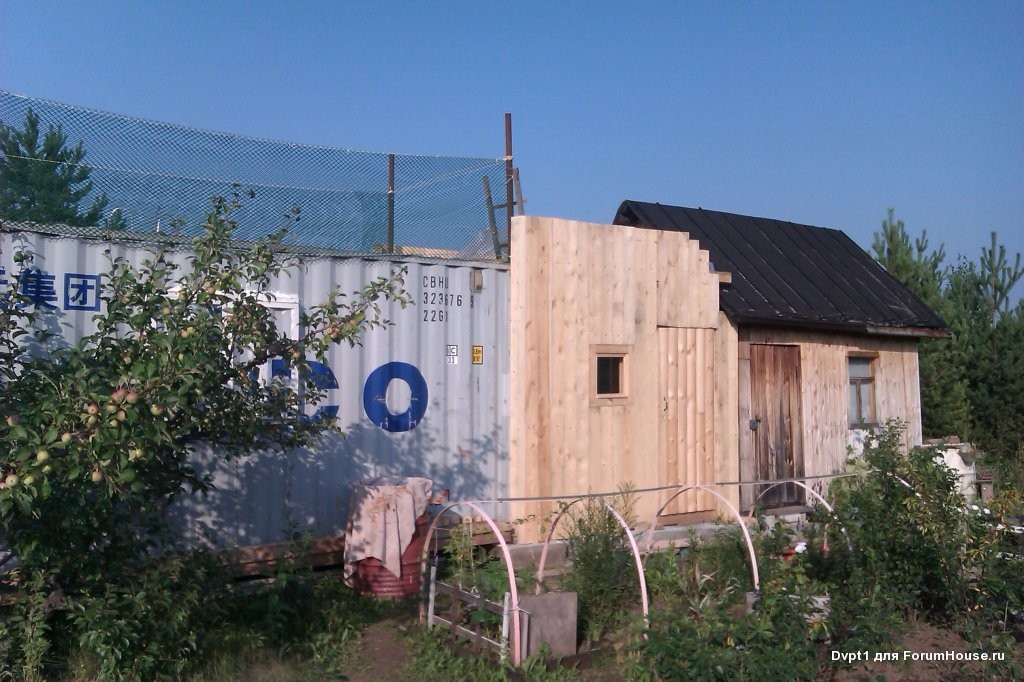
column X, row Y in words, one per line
column 793, row 275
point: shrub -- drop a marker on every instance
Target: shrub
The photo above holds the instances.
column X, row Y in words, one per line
column 434, row 660
column 603, row 571
column 95, row 434
column 150, row 623
column 905, row 519
column 704, row 633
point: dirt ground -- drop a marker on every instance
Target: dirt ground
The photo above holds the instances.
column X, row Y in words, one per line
column 383, row 653
column 921, row 638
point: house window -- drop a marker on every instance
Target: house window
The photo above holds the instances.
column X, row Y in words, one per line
column 610, row 380
column 609, row 375
column 862, row 391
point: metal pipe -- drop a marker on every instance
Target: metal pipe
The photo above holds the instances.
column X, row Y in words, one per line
column 391, row 204
column 639, row 563
column 735, row 513
column 641, row 577
column 491, row 224
column 517, row 644
column 508, row 181
column 814, row 493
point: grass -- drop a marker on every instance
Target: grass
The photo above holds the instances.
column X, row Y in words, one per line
column 298, row 627
column 311, row 627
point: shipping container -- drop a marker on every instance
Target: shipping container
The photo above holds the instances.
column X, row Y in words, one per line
column 427, row 396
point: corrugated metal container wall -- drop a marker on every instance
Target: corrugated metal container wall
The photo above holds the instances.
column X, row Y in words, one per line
column 454, row 336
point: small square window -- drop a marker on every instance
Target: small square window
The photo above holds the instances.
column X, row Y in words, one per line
column 609, row 375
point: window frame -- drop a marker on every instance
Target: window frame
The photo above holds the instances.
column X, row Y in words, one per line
column 599, row 351
column 855, row 389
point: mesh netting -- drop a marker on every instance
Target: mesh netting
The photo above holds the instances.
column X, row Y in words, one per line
column 159, row 177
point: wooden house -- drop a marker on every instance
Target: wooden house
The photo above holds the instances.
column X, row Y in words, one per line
column 685, row 346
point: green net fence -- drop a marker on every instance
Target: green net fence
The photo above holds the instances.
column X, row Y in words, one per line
column 146, row 177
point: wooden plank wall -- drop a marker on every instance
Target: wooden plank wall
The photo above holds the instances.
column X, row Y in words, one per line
column 825, row 393
column 573, row 286
column 727, row 395
column 686, row 427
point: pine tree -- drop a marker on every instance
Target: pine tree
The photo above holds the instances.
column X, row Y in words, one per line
column 992, row 338
column 945, row 410
column 972, row 386
column 922, row 272
column 43, row 179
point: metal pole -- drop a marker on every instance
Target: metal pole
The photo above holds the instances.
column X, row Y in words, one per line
column 508, row 181
column 391, row 203
column 520, row 201
column 491, row 223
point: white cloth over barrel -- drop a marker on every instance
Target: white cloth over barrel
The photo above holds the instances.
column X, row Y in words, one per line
column 382, row 520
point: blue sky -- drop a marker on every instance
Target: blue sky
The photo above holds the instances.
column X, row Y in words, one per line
column 825, row 113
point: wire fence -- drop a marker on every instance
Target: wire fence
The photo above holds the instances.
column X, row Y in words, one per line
column 116, row 172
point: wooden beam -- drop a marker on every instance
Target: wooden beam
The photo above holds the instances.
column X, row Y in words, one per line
column 326, row 552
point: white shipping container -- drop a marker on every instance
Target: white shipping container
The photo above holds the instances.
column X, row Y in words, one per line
column 424, row 397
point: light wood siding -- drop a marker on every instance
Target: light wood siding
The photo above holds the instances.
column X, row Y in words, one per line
column 727, row 399
column 825, row 390
column 579, row 285
column 686, row 432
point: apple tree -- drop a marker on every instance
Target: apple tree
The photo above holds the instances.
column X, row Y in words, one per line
column 95, row 434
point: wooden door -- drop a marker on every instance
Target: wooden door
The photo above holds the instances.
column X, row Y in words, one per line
column 775, row 423
column 686, row 430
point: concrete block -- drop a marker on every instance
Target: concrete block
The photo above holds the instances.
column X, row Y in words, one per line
column 552, row 622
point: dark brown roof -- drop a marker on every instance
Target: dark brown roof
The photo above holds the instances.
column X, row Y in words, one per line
column 793, row 275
